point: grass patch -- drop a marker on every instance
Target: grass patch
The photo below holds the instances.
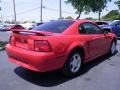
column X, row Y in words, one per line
column 2, row 45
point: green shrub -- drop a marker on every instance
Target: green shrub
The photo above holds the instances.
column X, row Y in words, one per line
column 2, row 45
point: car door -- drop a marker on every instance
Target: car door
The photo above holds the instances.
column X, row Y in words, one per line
column 115, row 25
column 96, row 43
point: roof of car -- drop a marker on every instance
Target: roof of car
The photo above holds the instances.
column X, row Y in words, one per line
column 102, row 21
column 79, row 20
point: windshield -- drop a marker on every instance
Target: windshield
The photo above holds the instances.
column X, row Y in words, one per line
column 114, row 22
column 54, row 26
column 110, row 22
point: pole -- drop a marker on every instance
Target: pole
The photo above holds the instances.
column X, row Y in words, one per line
column 1, row 12
column 41, row 11
column 60, row 10
column 14, row 12
column 99, row 14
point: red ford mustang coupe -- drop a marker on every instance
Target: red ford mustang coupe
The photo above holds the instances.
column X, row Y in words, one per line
column 61, row 44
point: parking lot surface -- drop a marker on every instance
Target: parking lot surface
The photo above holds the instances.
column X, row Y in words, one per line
column 101, row 74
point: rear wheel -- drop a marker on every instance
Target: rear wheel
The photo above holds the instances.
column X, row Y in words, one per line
column 73, row 64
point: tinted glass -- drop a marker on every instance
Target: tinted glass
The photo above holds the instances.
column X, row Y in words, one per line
column 55, row 26
column 89, row 28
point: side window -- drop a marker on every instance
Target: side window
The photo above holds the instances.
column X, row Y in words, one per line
column 82, row 30
column 118, row 23
column 89, row 28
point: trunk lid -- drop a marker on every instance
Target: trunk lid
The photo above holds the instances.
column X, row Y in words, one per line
column 25, row 39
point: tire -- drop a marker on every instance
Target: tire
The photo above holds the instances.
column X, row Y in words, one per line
column 112, row 48
column 73, row 64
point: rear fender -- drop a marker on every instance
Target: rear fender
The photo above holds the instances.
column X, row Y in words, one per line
column 73, row 46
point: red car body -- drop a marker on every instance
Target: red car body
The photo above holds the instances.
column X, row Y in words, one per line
column 45, row 51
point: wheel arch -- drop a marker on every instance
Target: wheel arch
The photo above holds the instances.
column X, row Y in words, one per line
column 77, row 48
column 73, row 50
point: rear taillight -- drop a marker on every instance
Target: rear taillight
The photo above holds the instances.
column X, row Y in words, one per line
column 11, row 40
column 42, row 46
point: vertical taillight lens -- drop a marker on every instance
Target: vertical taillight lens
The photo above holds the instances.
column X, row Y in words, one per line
column 11, row 40
column 42, row 46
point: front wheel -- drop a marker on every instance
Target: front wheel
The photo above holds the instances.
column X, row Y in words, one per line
column 113, row 48
column 73, row 64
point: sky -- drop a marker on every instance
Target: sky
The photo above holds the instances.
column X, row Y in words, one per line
column 28, row 10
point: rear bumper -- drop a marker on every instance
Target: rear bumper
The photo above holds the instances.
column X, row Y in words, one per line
column 36, row 61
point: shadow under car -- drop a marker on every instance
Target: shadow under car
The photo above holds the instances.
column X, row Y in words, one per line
column 55, row 78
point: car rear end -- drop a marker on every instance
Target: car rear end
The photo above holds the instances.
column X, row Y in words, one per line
column 32, row 51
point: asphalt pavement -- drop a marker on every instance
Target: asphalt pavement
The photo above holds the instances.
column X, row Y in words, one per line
column 4, row 36
column 101, row 74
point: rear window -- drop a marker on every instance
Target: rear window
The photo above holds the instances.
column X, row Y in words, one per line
column 55, row 26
